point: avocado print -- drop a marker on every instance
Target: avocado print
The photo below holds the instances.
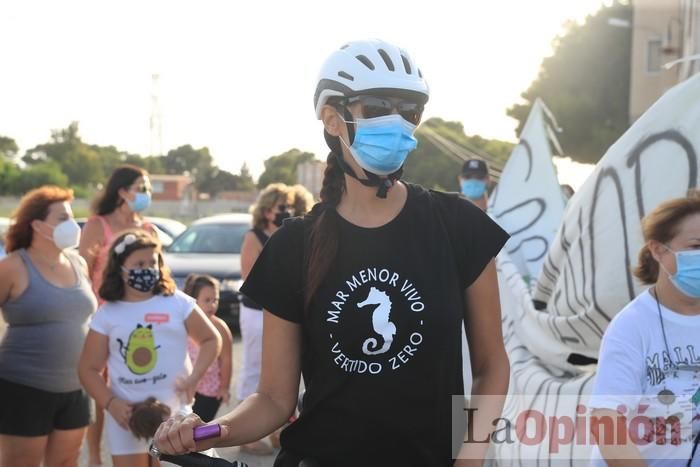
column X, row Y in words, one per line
column 140, row 351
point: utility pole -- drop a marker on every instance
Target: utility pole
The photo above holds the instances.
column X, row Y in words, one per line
column 156, row 141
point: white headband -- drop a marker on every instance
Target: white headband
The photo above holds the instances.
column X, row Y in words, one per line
column 121, row 246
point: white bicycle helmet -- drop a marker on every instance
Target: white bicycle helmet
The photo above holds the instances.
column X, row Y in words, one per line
column 369, row 67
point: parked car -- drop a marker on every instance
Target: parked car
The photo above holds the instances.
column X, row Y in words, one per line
column 164, row 237
column 4, row 225
column 169, row 226
column 212, row 245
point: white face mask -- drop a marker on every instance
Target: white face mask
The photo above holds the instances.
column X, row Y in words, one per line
column 66, row 234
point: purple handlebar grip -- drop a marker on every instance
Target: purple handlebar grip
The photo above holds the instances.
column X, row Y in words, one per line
column 203, row 432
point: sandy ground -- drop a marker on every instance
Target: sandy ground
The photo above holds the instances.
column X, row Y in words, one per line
column 226, row 453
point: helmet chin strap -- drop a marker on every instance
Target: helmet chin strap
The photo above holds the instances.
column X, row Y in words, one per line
column 383, row 184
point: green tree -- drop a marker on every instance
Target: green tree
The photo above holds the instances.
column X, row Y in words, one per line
column 433, row 166
column 112, row 158
column 77, row 160
column 187, row 159
column 221, row 180
column 9, row 171
column 153, row 164
column 8, row 148
column 43, row 173
column 586, row 84
column 245, row 179
column 283, row 167
column 197, row 162
column 87, row 165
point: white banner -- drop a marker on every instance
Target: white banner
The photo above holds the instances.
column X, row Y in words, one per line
column 528, row 202
column 586, row 276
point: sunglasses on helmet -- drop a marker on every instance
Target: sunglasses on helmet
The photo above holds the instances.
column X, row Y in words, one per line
column 373, row 106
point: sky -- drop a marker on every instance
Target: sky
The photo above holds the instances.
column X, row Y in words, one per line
column 239, row 77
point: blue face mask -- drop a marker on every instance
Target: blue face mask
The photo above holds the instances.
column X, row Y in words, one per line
column 140, row 202
column 474, row 188
column 382, row 144
column 142, row 279
column 687, row 276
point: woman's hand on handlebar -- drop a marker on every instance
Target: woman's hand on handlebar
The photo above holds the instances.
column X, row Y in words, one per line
column 176, row 435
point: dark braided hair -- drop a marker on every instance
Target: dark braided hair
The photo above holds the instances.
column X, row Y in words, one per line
column 324, row 230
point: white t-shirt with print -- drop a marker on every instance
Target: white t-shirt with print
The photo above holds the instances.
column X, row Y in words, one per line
column 147, row 346
column 633, row 362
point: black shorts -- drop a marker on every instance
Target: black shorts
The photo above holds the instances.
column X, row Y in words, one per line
column 205, row 406
column 28, row 411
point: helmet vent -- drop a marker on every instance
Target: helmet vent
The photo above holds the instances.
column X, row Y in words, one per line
column 406, row 65
column 345, row 46
column 420, row 75
column 365, row 61
column 387, row 60
column 342, row 74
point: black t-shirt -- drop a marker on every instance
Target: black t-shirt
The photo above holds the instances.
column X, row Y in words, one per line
column 381, row 338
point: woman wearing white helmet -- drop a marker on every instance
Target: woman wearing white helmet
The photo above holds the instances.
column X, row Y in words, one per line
column 366, row 295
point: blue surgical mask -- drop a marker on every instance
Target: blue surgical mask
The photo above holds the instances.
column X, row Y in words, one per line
column 382, row 144
column 474, row 188
column 687, row 276
column 141, row 202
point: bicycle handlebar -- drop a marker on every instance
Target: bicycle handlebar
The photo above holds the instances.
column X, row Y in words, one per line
column 202, row 432
column 196, row 459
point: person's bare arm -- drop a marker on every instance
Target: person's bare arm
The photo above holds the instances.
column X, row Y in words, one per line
column 261, row 413
column 15, row 277
column 91, row 240
column 616, row 454
column 92, row 362
column 489, row 362
column 7, row 268
column 205, row 335
column 225, row 358
column 250, row 250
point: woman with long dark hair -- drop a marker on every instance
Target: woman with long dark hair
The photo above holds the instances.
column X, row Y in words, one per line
column 366, row 295
column 117, row 208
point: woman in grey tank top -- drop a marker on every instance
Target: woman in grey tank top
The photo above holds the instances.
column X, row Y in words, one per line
column 46, row 300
